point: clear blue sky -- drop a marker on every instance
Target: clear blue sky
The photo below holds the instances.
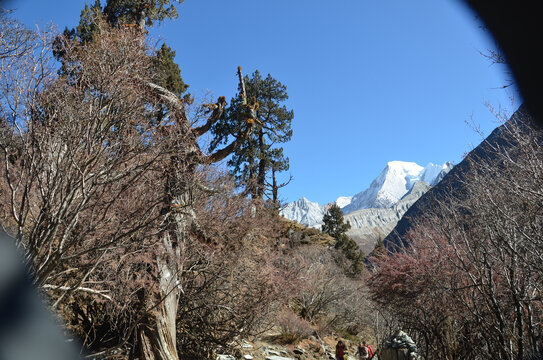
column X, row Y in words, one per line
column 370, row 81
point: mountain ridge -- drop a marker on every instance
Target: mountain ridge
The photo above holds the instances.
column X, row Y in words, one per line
column 385, row 191
column 370, row 225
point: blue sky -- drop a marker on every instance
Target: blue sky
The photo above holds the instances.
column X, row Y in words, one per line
column 369, row 81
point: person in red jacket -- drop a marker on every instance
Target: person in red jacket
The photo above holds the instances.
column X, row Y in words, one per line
column 370, row 350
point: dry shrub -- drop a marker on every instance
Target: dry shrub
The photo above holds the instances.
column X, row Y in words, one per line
column 293, row 328
column 322, row 294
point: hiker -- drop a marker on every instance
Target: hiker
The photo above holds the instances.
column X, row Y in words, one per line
column 341, row 350
column 362, row 351
column 370, row 350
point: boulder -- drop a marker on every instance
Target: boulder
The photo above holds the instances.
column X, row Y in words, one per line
column 275, row 357
column 399, row 347
column 225, row 357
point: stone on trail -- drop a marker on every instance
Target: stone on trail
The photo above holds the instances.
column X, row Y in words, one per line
column 399, row 347
column 270, row 351
column 275, row 357
column 246, row 345
column 225, row 357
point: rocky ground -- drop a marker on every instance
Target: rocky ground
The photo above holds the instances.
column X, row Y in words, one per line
column 307, row 349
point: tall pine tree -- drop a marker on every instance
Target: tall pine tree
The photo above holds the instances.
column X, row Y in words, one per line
column 140, row 12
column 260, row 157
column 130, row 13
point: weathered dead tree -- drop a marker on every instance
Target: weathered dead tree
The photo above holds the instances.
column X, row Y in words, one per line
column 158, row 341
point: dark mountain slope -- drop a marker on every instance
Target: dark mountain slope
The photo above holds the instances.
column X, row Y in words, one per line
column 452, row 184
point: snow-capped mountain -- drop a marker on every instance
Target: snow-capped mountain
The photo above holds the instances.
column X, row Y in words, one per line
column 343, row 201
column 395, row 181
column 305, row 212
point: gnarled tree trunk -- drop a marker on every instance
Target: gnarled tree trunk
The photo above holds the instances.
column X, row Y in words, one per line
column 157, row 340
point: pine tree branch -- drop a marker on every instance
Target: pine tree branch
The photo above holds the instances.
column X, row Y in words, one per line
column 218, row 110
column 283, row 184
column 224, row 152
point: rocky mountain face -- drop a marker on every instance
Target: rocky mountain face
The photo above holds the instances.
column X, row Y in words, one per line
column 374, row 212
column 368, row 225
column 452, row 182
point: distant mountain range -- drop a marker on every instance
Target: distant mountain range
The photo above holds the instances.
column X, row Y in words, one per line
column 392, row 184
column 375, row 211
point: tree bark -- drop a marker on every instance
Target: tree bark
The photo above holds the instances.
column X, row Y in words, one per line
column 262, row 166
column 157, row 340
column 275, row 190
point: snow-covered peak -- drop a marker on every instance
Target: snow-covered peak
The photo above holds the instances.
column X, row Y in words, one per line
column 404, row 166
column 432, row 173
column 303, row 201
column 396, row 179
column 392, row 184
column 400, row 175
column 305, row 212
column 343, row 201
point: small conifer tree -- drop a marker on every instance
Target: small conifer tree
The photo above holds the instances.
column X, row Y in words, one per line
column 379, row 249
column 335, row 226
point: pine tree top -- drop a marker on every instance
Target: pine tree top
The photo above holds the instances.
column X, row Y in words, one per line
column 334, row 223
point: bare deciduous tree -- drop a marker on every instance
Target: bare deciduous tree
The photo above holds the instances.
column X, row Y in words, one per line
column 92, row 181
column 323, row 294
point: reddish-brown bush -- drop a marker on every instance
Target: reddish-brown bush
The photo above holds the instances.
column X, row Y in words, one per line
column 469, row 283
column 293, row 328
